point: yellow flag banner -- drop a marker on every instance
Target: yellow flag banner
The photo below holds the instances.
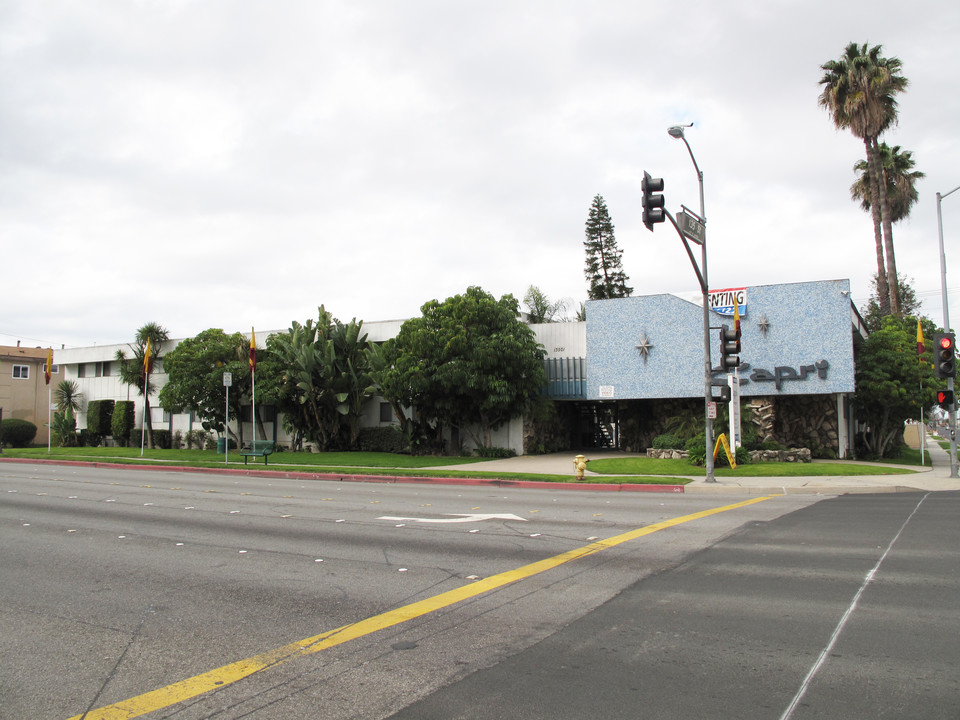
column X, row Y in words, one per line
column 722, row 440
column 253, row 351
column 46, row 372
column 146, row 359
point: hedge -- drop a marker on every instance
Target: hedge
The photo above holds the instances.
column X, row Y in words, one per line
column 18, row 433
column 100, row 417
column 121, row 426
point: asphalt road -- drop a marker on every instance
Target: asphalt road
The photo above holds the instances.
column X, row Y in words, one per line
column 175, row 595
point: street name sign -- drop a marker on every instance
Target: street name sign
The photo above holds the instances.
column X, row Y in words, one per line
column 691, row 227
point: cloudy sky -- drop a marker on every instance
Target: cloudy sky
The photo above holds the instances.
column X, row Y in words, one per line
column 236, row 164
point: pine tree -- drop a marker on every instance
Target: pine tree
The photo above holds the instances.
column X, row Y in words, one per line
column 603, row 270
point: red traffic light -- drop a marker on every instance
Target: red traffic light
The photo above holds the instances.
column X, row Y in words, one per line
column 946, row 342
column 945, row 399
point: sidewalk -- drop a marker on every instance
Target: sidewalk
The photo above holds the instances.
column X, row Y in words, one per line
column 922, row 479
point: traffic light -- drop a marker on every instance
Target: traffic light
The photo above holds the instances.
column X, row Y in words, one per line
column 652, row 201
column 945, row 399
column 724, row 395
column 729, row 348
column 944, row 358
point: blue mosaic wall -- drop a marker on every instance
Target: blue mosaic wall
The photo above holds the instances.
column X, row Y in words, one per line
column 806, row 324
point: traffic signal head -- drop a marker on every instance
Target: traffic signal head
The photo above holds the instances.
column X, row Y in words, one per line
column 944, row 355
column 729, row 348
column 724, row 394
column 652, row 201
column 945, row 399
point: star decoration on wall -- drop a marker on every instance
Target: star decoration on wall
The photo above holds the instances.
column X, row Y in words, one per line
column 644, row 346
column 764, row 325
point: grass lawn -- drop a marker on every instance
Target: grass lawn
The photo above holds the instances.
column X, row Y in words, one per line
column 335, row 463
column 637, row 470
column 650, row 466
column 213, row 458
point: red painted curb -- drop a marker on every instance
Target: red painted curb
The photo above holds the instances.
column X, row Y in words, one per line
column 354, row 477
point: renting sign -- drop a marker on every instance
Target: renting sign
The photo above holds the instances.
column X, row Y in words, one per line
column 722, row 301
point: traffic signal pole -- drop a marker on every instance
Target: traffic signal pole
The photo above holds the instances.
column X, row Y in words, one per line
column 654, row 212
column 946, row 326
column 701, row 272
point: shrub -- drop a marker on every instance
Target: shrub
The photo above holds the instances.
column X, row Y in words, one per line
column 121, row 425
column 18, row 433
column 87, row 439
column 161, row 439
column 99, row 419
column 494, row 452
column 64, row 429
column 382, row 439
column 668, row 442
column 196, row 437
column 176, row 442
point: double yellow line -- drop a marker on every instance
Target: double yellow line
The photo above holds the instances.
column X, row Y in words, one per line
column 223, row 676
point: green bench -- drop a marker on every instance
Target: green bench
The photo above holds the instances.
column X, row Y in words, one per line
column 258, row 448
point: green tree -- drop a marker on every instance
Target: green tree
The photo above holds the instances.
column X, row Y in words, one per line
column 604, row 270
column 195, row 378
column 893, row 383
column 131, row 370
column 859, row 91
column 908, row 301
column 467, row 362
column 322, row 380
column 540, row 308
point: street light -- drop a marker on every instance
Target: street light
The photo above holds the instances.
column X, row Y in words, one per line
column 946, row 327
column 677, row 131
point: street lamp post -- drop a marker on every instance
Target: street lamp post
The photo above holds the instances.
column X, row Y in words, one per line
column 946, row 327
column 676, row 131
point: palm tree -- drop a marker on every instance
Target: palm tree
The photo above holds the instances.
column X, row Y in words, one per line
column 540, row 308
column 67, row 394
column 899, row 181
column 860, row 94
column 131, row 371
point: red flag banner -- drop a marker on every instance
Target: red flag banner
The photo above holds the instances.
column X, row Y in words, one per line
column 253, row 351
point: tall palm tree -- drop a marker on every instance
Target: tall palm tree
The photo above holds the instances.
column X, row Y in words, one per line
column 131, row 371
column 899, row 181
column 859, row 91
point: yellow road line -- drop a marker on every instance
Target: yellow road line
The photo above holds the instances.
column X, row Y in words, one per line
column 222, row 676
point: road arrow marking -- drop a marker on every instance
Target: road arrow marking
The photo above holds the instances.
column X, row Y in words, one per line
column 457, row 518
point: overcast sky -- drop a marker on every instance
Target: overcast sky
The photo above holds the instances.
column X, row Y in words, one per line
column 237, row 164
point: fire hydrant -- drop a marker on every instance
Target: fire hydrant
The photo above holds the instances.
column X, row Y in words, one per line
column 580, row 464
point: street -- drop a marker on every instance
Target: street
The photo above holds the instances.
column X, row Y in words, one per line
column 127, row 593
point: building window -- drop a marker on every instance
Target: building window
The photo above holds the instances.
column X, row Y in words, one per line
column 21, row 372
column 386, row 413
column 81, row 370
column 54, row 369
column 106, row 369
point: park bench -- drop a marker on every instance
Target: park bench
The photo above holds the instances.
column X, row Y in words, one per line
column 258, row 448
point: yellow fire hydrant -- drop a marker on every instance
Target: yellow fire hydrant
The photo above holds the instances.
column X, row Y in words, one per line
column 580, row 464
